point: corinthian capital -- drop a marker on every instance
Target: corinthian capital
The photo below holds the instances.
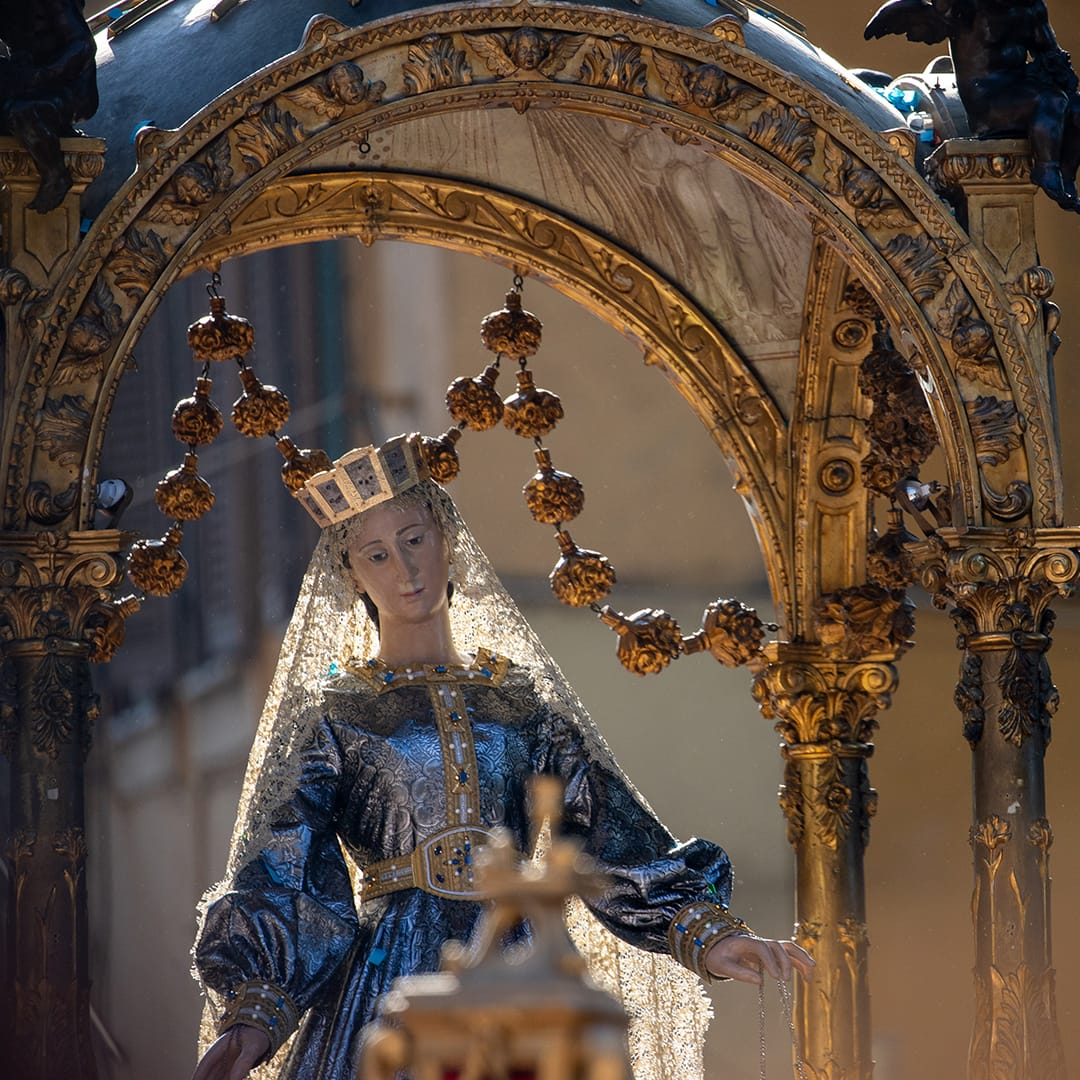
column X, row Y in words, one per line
column 57, row 592
column 817, row 701
column 1000, row 581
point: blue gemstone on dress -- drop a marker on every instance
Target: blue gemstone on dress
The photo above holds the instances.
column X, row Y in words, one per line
column 371, row 663
column 463, row 777
column 376, row 957
column 440, row 879
column 699, row 943
column 438, row 849
column 440, row 668
column 273, row 1020
column 468, row 860
column 680, row 928
column 334, row 669
column 388, row 677
column 485, row 672
column 455, row 716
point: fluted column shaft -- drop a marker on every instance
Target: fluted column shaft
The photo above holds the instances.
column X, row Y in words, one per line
column 997, row 585
column 825, row 712
column 56, row 615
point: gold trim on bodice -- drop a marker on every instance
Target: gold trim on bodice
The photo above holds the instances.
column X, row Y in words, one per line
column 442, row 863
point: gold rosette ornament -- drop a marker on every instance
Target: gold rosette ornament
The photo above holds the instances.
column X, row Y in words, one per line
column 219, row 335
column 580, row 577
column 888, row 563
column 157, row 566
column 512, row 331
column 531, row 412
column 475, row 402
column 196, row 420
column 552, row 496
column 183, row 494
column 731, row 631
column 260, row 410
column 441, row 456
column 648, row 640
column 301, row 465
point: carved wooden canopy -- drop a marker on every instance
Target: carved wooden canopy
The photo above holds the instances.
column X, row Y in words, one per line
column 458, row 127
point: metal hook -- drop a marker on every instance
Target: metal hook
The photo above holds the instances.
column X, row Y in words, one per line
column 212, row 286
column 519, row 283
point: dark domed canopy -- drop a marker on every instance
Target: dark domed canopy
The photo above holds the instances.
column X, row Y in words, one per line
column 163, row 68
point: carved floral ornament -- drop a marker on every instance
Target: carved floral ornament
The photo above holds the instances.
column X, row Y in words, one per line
column 700, row 86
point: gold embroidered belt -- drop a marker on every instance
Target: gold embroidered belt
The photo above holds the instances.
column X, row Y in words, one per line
column 442, row 865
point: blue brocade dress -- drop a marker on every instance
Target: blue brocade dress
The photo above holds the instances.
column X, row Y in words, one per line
column 373, row 779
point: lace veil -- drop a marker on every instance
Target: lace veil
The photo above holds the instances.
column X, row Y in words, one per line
column 668, row 1009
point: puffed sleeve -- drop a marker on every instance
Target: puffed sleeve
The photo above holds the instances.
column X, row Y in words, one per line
column 274, row 939
column 659, row 887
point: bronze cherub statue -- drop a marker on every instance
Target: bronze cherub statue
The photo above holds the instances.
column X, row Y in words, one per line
column 1013, row 77
column 48, row 80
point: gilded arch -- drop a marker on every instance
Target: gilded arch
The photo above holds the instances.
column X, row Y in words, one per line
column 859, row 189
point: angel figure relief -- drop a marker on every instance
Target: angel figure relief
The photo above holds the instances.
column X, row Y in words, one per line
column 972, row 339
column 1014, row 79
column 196, row 182
column 708, row 87
column 341, row 88
column 863, row 190
column 526, row 49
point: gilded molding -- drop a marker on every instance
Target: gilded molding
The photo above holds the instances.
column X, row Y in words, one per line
column 820, row 702
column 865, row 620
column 187, row 205
column 1002, row 579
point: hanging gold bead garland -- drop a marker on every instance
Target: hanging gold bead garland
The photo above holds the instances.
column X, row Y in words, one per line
column 648, row 639
column 157, row 566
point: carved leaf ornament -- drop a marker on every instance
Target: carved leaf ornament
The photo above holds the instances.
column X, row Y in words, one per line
column 659, row 72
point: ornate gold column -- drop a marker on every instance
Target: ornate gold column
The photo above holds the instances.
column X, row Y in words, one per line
column 997, row 585
column 56, row 615
column 826, row 713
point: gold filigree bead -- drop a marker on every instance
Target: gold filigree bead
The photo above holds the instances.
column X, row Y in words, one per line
column 219, row 335
column 511, row 331
column 441, row 456
column 475, row 402
column 731, row 631
column 301, row 465
column 888, row 563
column 531, row 413
column 157, row 566
column 580, row 577
column 648, row 640
column 260, row 410
column 183, row 493
column 196, row 420
column 552, row 496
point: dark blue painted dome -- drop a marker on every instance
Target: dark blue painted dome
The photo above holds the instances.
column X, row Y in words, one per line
column 170, row 63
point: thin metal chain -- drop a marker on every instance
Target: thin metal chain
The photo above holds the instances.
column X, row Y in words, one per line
column 785, row 1005
column 761, row 1024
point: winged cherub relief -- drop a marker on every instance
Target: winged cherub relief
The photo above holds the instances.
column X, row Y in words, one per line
column 526, row 49
column 341, row 88
column 1013, row 77
column 706, row 86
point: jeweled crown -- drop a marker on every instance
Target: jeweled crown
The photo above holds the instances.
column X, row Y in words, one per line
column 363, row 478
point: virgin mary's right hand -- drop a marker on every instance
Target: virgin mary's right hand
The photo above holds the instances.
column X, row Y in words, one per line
column 233, row 1055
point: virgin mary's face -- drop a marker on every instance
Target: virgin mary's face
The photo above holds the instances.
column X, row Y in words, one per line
column 400, row 559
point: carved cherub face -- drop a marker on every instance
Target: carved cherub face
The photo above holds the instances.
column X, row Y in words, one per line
column 862, row 189
column 346, row 82
column 527, row 48
column 706, row 86
column 194, row 184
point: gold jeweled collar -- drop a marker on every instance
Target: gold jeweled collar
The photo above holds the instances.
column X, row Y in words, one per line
column 487, row 669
